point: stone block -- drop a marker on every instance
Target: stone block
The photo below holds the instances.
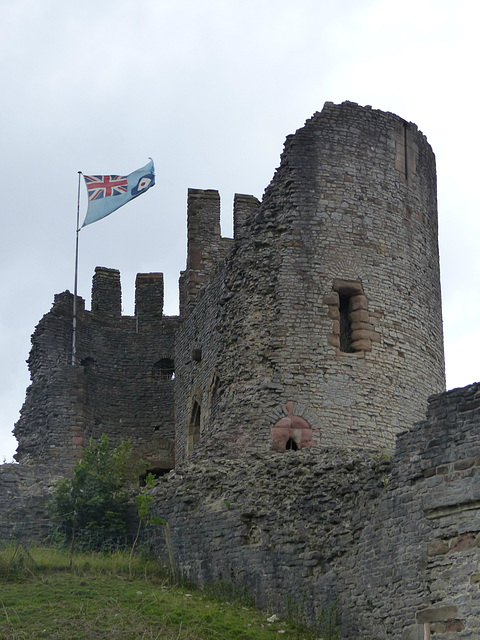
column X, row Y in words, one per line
column 358, row 302
column 332, row 299
column 454, row 626
column 464, row 542
column 360, row 334
column 334, row 313
column 467, row 463
column 362, row 345
column 334, row 340
column 361, row 326
column 437, row 548
column 360, row 316
column 437, row 614
column 414, row 632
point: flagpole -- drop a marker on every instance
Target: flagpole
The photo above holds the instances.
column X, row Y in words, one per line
column 74, row 333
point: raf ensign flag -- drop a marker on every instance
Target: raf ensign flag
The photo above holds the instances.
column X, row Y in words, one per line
column 108, row 193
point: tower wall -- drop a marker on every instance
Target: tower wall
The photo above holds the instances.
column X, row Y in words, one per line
column 206, row 248
column 330, row 299
column 122, row 383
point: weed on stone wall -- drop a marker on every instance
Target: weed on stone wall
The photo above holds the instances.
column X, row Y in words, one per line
column 327, row 622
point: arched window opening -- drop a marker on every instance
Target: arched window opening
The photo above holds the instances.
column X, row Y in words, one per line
column 193, row 435
column 164, row 369
column 291, row 445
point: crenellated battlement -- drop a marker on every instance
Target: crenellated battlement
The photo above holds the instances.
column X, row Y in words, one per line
column 206, row 248
column 243, row 206
column 107, row 294
column 121, row 385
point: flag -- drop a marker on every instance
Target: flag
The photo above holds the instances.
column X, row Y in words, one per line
column 108, row 193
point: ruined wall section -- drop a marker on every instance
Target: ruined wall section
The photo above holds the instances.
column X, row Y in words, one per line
column 415, row 571
column 24, row 491
column 52, row 414
column 122, row 383
column 395, row 543
column 206, row 248
column 197, row 358
column 346, row 232
column 199, row 387
column 275, row 526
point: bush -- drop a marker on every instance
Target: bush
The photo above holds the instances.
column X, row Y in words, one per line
column 92, row 505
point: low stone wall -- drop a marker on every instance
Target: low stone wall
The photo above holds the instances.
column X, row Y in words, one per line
column 24, row 490
column 273, row 524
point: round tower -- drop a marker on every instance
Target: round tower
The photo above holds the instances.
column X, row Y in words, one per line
column 328, row 310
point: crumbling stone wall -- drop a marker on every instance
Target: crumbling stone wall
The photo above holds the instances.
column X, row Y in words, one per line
column 24, row 490
column 305, row 346
column 396, row 544
column 414, row 573
column 121, row 383
column 273, row 524
column 330, row 297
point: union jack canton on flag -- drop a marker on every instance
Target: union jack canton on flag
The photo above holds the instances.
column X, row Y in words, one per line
column 108, row 193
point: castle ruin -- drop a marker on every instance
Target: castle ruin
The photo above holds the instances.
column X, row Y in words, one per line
column 308, row 350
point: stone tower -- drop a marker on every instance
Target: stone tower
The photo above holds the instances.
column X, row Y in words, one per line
column 324, row 325
column 122, row 383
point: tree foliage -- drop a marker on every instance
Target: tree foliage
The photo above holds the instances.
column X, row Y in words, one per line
column 93, row 503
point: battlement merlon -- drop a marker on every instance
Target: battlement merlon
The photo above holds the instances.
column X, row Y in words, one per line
column 106, row 292
column 206, row 248
column 149, row 295
column 243, row 206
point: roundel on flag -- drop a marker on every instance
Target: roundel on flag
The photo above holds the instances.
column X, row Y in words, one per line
column 146, row 181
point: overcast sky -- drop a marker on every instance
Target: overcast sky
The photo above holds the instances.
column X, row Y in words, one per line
column 210, row 89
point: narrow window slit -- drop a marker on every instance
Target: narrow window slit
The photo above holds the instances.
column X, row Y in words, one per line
column 345, row 324
column 193, row 435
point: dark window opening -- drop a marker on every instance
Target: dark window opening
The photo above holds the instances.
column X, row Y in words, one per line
column 156, row 472
column 291, row 445
column 164, row 369
column 194, row 427
column 214, row 386
column 196, row 355
column 345, row 324
column 89, row 363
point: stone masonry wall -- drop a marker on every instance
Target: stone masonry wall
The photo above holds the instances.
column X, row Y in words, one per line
column 329, row 299
column 414, row 573
column 398, row 551
column 24, row 490
column 122, row 383
column 274, row 524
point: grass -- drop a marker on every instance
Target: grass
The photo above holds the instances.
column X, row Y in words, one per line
column 107, row 596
